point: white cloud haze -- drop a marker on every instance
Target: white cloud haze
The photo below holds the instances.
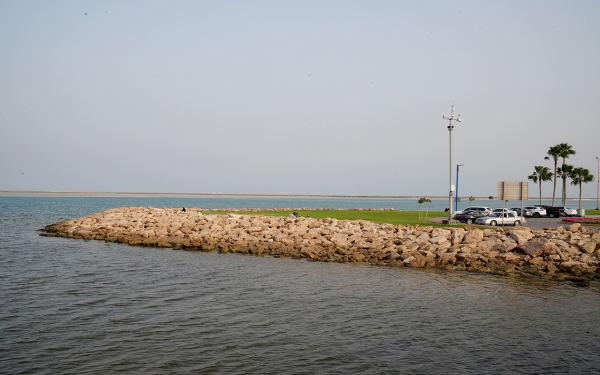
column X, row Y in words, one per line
column 330, row 97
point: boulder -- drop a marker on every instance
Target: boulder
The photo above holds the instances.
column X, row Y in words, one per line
column 417, row 261
column 340, row 240
column 445, row 259
column 538, row 262
column 505, row 246
column 588, row 246
column 551, row 268
column 537, row 247
column 473, row 236
column 521, row 236
column 573, row 227
column 438, row 239
column 440, row 232
column 510, row 257
column 457, row 236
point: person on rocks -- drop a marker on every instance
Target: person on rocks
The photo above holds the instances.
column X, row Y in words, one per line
column 183, row 209
column 295, row 213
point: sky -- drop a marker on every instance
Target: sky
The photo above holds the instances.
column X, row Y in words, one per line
column 296, row 97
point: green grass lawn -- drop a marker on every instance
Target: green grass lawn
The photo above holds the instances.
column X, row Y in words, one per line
column 379, row 217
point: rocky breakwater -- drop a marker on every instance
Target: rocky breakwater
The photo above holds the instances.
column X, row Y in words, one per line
column 564, row 253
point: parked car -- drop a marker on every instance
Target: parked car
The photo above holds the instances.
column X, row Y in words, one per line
column 469, row 217
column 499, row 218
column 526, row 212
column 504, row 210
column 537, row 211
column 569, row 212
column 553, row 211
column 487, row 210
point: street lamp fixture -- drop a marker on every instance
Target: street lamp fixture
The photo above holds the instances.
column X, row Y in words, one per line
column 450, row 128
column 456, row 200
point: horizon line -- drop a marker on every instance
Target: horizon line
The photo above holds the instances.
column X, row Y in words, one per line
column 66, row 192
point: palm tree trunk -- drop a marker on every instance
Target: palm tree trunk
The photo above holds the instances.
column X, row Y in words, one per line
column 564, row 192
column 540, row 191
column 555, row 177
column 580, row 183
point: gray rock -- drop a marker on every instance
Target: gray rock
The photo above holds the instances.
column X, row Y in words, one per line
column 457, row 236
column 438, row 239
column 537, row 247
column 473, row 236
column 521, row 236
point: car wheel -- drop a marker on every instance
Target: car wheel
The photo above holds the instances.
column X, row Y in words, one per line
column 551, row 215
column 537, row 214
column 493, row 223
column 563, row 214
column 469, row 221
column 517, row 223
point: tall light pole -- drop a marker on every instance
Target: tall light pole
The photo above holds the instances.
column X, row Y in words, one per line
column 598, row 179
column 456, row 200
column 450, row 127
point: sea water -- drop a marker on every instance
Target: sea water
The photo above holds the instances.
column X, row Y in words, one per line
column 88, row 307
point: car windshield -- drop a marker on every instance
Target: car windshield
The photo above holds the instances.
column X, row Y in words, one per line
column 496, row 214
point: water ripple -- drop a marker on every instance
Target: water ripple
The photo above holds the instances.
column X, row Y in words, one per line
column 78, row 307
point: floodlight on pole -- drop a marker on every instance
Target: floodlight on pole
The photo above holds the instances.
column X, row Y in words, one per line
column 450, row 128
column 456, row 200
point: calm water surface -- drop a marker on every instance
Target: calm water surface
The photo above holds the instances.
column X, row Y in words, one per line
column 76, row 307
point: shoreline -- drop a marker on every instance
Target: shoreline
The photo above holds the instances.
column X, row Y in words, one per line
column 565, row 253
column 263, row 195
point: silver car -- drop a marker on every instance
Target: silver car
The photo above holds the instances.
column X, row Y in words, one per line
column 499, row 218
column 504, row 210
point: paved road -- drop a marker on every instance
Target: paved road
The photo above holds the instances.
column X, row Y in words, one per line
column 544, row 222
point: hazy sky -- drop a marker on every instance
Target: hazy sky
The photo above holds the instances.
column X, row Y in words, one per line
column 330, row 97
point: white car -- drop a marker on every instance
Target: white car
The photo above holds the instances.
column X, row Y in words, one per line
column 499, row 218
column 537, row 211
column 568, row 212
column 526, row 212
column 504, row 210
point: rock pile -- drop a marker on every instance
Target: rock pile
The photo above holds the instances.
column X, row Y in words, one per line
column 570, row 253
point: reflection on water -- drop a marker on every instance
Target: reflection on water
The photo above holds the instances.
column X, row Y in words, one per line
column 72, row 306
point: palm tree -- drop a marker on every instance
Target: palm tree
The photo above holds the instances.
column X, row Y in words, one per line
column 564, row 172
column 580, row 176
column 420, row 201
column 565, row 151
column 490, row 199
column 471, row 199
column 427, row 200
column 541, row 174
column 554, row 152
